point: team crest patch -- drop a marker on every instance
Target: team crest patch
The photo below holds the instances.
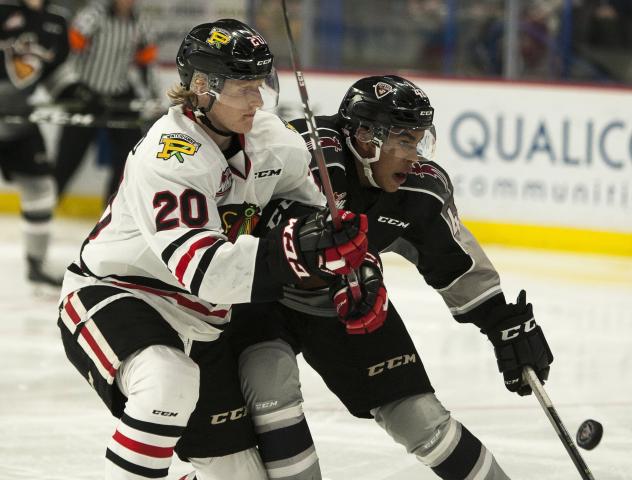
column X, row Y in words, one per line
column 225, row 183
column 382, row 89
column 239, row 219
column 176, row 145
column 421, row 169
column 218, row 37
column 327, row 142
column 25, row 59
column 331, row 142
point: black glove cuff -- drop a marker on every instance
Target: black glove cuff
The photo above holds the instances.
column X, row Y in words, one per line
column 283, row 257
column 504, row 316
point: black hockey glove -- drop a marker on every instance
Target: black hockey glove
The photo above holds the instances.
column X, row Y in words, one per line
column 311, row 245
column 369, row 313
column 518, row 342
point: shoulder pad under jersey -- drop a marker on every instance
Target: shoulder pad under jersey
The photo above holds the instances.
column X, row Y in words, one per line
column 269, row 130
column 332, row 140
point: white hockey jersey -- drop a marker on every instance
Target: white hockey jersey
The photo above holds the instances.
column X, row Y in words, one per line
column 176, row 233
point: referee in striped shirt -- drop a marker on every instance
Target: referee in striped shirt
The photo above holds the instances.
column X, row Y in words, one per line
column 109, row 44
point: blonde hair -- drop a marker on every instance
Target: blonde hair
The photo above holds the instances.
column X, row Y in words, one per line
column 181, row 95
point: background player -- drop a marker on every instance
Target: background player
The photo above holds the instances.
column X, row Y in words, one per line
column 378, row 150
column 144, row 305
column 33, row 42
column 100, row 82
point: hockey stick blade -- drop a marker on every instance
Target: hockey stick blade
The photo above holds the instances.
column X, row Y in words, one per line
column 545, row 402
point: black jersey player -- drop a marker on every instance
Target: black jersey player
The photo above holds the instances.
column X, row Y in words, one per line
column 33, row 42
column 378, row 150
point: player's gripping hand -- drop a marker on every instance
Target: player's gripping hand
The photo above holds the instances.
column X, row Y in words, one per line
column 311, row 245
column 369, row 313
column 331, row 251
column 518, row 341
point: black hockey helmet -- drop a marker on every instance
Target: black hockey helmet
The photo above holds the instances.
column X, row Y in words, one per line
column 384, row 102
column 378, row 108
column 224, row 49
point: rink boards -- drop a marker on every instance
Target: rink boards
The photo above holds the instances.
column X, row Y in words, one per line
column 537, row 165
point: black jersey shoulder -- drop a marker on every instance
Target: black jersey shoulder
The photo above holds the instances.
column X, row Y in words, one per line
column 429, row 178
column 10, row 4
column 52, row 19
column 332, row 140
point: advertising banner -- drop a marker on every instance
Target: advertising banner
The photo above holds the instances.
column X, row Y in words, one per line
column 520, row 153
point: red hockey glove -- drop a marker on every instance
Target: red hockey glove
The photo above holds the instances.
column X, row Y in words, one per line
column 369, row 313
column 338, row 252
column 311, row 245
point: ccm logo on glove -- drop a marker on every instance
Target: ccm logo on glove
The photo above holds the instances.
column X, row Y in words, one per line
column 513, row 332
column 290, row 253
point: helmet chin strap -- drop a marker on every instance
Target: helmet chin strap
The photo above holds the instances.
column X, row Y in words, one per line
column 366, row 162
column 207, row 121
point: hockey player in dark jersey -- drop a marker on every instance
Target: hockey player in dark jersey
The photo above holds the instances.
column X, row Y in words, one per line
column 378, row 151
column 33, row 42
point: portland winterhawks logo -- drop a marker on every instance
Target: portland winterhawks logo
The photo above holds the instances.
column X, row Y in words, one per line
column 218, row 37
column 177, row 144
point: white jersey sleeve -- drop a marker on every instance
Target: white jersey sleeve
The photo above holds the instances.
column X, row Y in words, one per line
column 165, row 221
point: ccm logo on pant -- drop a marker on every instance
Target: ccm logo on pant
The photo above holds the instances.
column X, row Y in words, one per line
column 513, row 332
column 229, row 416
column 391, row 364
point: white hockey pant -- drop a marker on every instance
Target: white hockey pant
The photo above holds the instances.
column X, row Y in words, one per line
column 162, row 387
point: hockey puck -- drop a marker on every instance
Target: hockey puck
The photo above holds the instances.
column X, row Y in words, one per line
column 589, row 434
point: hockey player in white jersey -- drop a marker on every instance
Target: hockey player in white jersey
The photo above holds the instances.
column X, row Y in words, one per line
column 143, row 307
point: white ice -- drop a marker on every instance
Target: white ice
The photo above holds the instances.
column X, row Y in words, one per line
column 53, row 426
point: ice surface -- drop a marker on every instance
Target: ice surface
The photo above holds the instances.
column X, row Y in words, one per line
column 54, row 427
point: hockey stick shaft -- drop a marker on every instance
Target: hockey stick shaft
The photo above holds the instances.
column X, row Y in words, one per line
column 311, row 124
column 314, row 137
column 60, row 117
column 107, row 103
column 545, row 402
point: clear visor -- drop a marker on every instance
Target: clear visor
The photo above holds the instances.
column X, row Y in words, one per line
column 244, row 95
column 408, row 143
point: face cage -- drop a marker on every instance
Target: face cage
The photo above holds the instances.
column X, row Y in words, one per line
column 267, row 93
column 393, row 141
